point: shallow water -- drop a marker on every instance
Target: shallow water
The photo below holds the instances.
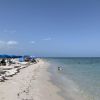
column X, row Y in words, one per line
column 79, row 79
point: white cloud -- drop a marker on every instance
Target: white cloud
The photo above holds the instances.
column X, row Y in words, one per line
column 8, row 45
column 8, row 42
column 12, row 42
column 5, row 31
column 9, row 31
column 47, row 39
column 32, row 42
column 2, row 42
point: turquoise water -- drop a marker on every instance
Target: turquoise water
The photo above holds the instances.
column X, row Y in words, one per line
column 80, row 77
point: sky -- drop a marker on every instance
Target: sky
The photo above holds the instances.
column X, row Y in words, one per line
column 52, row 28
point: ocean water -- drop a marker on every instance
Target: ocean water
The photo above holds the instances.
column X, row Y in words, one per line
column 79, row 79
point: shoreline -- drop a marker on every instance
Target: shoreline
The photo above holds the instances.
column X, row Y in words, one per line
column 68, row 89
column 31, row 83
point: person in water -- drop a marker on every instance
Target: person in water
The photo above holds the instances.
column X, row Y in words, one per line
column 60, row 68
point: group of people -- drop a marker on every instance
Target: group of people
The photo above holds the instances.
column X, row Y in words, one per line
column 4, row 62
column 28, row 59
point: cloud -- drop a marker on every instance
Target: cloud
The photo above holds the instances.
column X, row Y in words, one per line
column 9, row 31
column 12, row 42
column 2, row 42
column 32, row 42
column 7, row 45
column 47, row 39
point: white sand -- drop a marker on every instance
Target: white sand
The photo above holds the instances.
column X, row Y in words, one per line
column 32, row 83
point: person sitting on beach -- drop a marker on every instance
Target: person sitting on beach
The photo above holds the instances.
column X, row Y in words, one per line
column 9, row 62
column 33, row 60
column 3, row 62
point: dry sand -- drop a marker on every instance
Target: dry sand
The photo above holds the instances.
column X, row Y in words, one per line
column 32, row 83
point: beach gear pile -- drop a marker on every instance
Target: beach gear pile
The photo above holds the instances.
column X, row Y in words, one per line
column 10, row 68
column 10, row 65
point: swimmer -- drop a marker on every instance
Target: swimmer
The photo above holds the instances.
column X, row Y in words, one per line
column 60, row 68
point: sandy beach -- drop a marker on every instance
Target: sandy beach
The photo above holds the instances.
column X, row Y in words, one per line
column 31, row 83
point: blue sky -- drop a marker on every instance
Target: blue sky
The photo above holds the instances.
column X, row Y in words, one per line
column 50, row 27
